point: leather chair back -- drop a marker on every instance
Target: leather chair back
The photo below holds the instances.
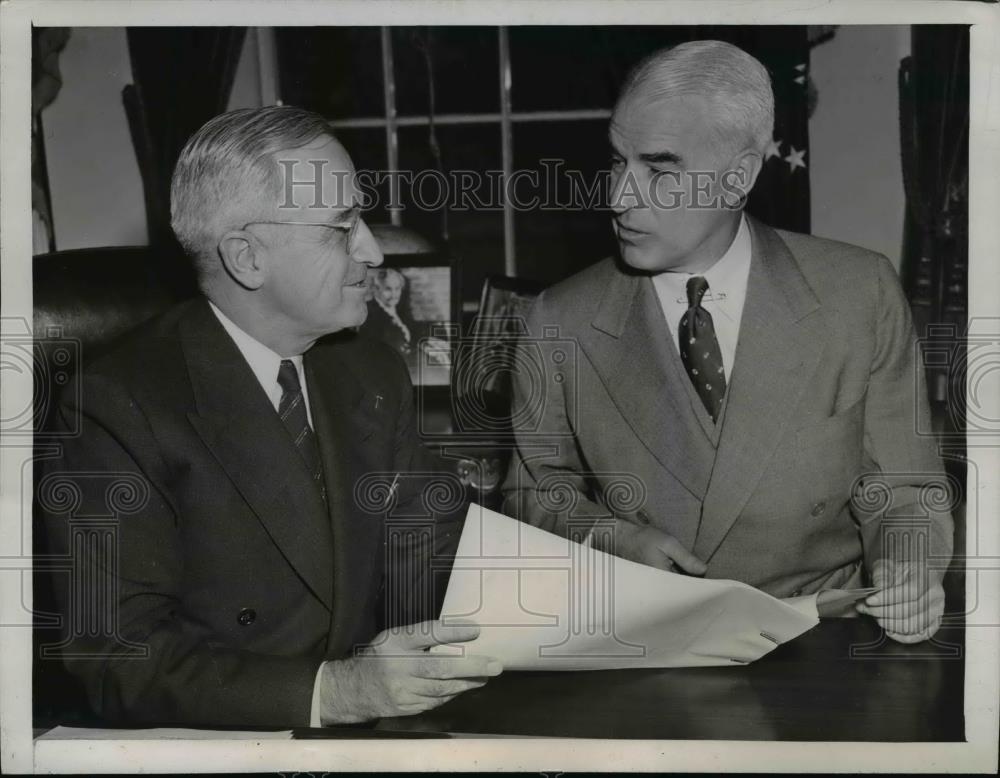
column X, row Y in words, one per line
column 83, row 301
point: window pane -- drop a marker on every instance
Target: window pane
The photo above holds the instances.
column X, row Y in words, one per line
column 367, row 148
column 565, row 68
column 573, row 228
column 335, row 71
column 465, row 63
column 469, row 154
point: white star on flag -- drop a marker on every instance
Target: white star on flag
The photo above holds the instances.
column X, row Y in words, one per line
column 796, row 159
column 773, row 150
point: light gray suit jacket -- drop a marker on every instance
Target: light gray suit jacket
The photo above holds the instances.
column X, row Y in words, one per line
column 816, row 466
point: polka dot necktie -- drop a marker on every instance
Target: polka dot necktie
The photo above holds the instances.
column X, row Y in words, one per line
column 700, row 349
column 292, row 410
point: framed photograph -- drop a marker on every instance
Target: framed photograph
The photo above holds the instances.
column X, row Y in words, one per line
column 410, row 305
column 504, row 304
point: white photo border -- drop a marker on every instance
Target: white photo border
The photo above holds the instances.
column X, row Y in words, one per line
column 19, row 753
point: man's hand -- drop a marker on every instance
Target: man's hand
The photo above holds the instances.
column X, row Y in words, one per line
column 653, row 547
column 910, row 606
column 397, row 677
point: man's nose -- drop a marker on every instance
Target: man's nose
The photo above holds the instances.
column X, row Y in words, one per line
column 366, row 250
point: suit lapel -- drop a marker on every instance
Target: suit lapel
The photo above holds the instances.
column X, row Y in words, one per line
column 237, row 422
column 780, row 346
column 344, row 423
column 630, row 349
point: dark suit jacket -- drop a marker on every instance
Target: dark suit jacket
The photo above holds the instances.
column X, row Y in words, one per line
column 228, row 580
column 825, row 389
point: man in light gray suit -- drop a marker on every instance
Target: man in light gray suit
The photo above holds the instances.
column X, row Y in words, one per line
column 723, row 398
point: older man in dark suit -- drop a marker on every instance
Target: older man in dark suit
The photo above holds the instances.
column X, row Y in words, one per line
column 250, row 574
column 743, row 402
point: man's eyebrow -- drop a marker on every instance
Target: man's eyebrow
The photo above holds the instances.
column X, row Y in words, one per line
column 660, row 156
column 347, row 215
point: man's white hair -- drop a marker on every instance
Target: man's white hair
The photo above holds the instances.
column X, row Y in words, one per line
column 227, row 176
column 736, row 85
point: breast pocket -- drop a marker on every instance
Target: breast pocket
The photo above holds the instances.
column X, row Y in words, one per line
column 829, row 454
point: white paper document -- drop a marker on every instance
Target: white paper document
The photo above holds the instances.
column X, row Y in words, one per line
column 161, row 733
column 544, row 602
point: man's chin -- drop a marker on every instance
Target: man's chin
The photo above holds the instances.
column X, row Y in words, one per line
column 358, row 317
column 641, row 259
column 346, row 319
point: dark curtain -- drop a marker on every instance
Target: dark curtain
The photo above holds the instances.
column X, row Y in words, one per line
column 934, row 131
column 934, row 134
column 181, row 77
column 46, row 81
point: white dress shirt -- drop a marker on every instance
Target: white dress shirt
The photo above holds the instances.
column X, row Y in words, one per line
column 265, row 363
column 727, row 291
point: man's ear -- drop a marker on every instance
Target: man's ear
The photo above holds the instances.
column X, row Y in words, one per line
column 742, row 175
column 243, row 260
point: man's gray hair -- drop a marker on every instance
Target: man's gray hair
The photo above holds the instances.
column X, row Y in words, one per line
column 735, row 83
column 227, row 176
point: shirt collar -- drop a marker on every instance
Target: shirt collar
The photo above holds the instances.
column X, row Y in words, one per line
column 727, row 278
column 263, row 361
column 729, row 275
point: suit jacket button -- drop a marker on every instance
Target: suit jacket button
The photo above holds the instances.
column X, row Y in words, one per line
column 818, row 509
column 246, row 617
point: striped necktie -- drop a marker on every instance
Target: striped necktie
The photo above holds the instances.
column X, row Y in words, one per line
column 700, row 351
column 292, row 410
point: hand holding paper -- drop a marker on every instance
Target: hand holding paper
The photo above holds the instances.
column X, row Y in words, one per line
column 910, row 605
column 394, row 676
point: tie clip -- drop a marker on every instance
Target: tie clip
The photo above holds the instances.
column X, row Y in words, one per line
column 709, row 297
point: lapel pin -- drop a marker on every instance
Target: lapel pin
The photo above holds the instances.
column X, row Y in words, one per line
column 378, row 401
column 392, row 492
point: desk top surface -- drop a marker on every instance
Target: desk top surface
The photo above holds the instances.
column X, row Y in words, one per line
column 842, row 680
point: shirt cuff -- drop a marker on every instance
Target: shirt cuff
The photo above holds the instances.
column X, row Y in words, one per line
column 315, row 709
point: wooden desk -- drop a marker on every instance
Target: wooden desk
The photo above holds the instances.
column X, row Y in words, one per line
column 839, row 681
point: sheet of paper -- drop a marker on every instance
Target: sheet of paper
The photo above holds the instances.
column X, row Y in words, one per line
column 161, row 733
column 805, row 604
column 830, row 603
column 840, row 602
column 544, row 602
